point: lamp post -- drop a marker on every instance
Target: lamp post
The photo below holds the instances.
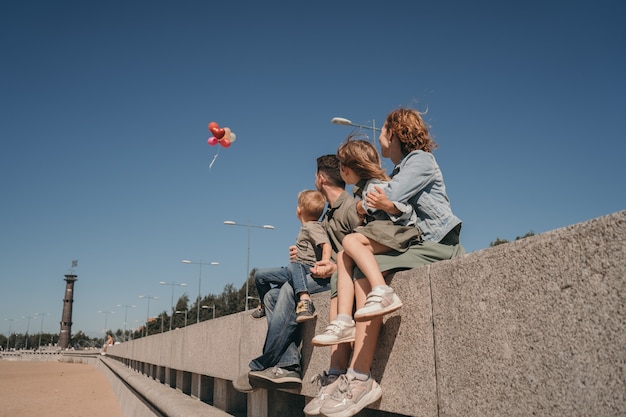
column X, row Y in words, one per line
column 10, row 328
column 136, row 326
column 126, row 307
column 199, row 263
column 265, row 226
column 180, row 312
column 148, row 297
column 106, row 317
column 213, row 307
column 345, row 122
column 41, row 328
column 172, row 284
column 27, row 329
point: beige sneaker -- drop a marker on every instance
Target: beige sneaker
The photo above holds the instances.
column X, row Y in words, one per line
column 336, row 332
column 351, row 396
column 378, row 303
column 327, row 384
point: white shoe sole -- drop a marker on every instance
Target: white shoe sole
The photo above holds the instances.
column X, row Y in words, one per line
column 317, row 341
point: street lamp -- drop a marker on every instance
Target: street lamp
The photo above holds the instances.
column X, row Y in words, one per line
column 10, row 327
column 106, row 316
column 27, row 329
column 345, row 122
column 126, row 307
column 200, row 263
column 172, row 284
column 213, row 307
column 265, row 226
column 41, row 329
column 148, row 297
column 180, row 312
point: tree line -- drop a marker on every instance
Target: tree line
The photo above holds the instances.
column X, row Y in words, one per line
column 231, row 300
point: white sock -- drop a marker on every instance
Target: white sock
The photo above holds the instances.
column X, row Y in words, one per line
column 357, row 375
column 385, row 288
column 344, row 318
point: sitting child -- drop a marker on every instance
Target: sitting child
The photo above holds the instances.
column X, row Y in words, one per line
column 312, row 245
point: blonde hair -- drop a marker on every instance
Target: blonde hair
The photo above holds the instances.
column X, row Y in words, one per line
column 362, row 157
column 311, row 203
column 409, row 128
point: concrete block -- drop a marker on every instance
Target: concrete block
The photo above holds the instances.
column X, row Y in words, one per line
column 536, row 326
column 258, row 404
column 226, row 397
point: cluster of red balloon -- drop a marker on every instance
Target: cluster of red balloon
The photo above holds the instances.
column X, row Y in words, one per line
column 222, row 135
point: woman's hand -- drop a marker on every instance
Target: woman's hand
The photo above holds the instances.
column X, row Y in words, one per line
column 293, row 251
column 378, row 200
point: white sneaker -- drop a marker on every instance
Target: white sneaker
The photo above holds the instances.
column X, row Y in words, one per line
column 327, row 384
column 336, row 332
column 378, row 302
column 351, row 396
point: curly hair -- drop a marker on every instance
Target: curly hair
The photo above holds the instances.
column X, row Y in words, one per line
column 362, row 157
column 410, row 129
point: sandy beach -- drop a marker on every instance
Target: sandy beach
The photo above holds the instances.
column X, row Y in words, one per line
column 55, row 389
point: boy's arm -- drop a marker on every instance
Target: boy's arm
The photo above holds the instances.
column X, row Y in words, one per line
column 327, row 251
column 325, row 267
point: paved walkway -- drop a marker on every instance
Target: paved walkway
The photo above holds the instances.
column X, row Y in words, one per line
column 54, row 389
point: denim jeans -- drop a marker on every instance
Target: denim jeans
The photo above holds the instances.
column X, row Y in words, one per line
column 267, row 278
column 295, row 274
column 283, row 338
column 298, row 272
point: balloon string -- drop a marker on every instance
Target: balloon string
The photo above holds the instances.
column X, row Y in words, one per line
column 214, row 158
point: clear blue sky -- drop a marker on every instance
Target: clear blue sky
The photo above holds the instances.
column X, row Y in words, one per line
column 104, row 109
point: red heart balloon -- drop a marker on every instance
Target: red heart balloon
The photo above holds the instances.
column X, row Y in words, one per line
column 218, row 133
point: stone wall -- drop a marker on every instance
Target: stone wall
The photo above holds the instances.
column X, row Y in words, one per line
column 532, row 327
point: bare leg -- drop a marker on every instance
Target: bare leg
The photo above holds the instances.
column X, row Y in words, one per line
column 341, row 327
column 362, row 250
column 345, row 286
column 339, row 354
column 367, row 332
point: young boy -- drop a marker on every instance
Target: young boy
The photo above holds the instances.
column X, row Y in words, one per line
column 312, row 245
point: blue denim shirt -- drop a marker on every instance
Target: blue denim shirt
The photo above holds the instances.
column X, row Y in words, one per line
column 417, row 180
